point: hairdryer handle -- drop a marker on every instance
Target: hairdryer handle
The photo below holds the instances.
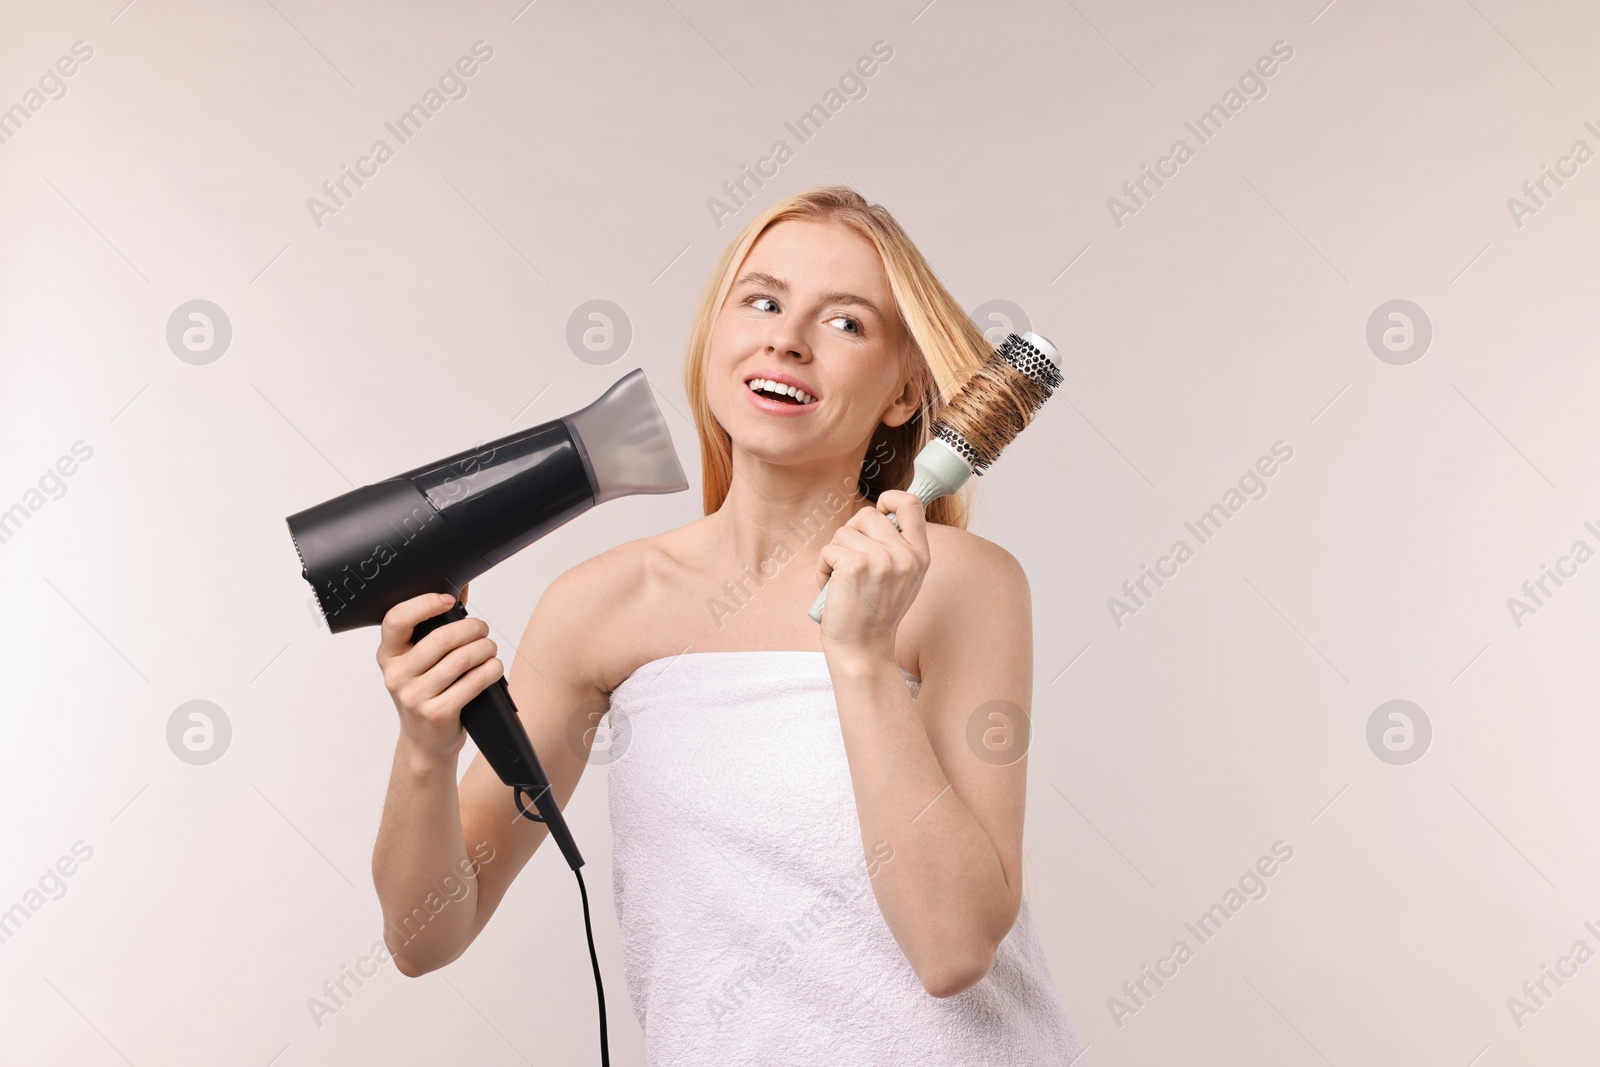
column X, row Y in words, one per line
column 490, row 719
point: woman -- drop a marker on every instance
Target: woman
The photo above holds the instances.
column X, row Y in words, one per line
column 813, row 861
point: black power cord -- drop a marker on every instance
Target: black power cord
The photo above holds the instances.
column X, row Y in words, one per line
column 600, row 990
column 588, row 929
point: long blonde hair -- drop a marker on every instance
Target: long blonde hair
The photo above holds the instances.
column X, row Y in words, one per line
column 945, row 349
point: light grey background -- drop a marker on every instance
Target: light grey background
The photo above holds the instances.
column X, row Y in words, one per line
column 1230, row 312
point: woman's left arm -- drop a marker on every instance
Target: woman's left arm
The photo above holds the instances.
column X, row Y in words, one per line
column 941, row 779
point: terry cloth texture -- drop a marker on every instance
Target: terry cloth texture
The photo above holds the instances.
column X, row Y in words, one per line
column 750, row 930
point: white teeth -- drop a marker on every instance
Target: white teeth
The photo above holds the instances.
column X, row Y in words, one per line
column 758, row 384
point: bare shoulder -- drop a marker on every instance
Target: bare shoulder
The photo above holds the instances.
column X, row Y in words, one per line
column 973, row 587
column 596, row 607
column 961, row 563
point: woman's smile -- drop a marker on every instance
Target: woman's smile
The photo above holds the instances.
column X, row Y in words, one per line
column 773, row 406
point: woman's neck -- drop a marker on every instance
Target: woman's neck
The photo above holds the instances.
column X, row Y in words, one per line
column 782, row 516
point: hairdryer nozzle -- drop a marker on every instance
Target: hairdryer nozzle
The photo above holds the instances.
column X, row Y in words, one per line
column 625, row 442
column 435, row 528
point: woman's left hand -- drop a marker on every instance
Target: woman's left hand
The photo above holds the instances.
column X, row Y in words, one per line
column 876, row 571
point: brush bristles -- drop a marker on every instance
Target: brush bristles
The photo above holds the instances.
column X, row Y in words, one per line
column 998, row 402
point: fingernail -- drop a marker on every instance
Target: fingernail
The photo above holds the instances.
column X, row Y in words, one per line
column 446, row 597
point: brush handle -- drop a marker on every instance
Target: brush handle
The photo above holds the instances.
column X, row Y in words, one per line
column 938, row 471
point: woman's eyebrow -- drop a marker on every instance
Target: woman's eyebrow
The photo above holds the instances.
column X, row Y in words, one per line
column 757, row 277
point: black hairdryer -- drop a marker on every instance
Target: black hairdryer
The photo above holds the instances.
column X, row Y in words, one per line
column 436, row 528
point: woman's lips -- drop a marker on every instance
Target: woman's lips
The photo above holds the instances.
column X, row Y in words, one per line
column 777, row 407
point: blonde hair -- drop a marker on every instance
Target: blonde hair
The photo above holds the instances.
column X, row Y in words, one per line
column 945, row 348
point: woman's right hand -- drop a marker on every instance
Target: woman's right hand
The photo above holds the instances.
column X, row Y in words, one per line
column 431, row 681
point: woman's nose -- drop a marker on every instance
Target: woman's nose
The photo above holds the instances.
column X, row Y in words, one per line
column 785, row 340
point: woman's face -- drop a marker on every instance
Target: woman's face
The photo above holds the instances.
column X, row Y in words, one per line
column 810, row 306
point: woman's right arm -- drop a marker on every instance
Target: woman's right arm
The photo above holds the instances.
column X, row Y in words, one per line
column 462, row 844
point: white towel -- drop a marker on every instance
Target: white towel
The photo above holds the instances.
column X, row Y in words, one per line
column 751, row 934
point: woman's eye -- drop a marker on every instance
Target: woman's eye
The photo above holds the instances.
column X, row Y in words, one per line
column 757, row 301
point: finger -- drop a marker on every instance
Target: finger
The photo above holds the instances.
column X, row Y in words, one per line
column 909, row 512
column 850, row 562
column 869, row 543
column 435, row 646
column 911, row 519
column 824, row 565
column 455, row 663
column 834, row 555
column 472, row 683
column 879, row 560
column 869, row 519
column 400, row 620
column 875, row 524
column 848, row 569
column 828, row 561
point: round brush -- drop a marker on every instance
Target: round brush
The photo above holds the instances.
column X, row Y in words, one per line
column 995, row 405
